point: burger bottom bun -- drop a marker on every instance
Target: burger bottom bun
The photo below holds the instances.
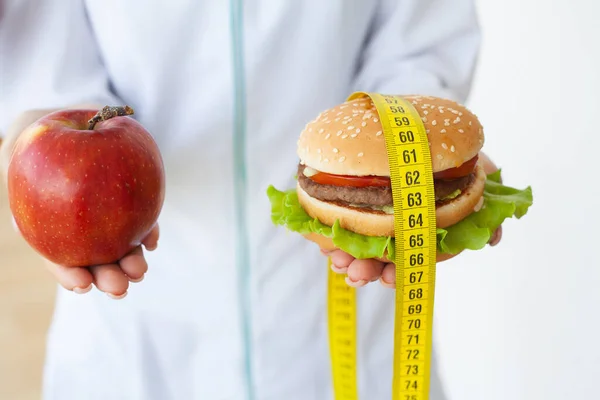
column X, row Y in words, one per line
column 372, row 223
column 326, row 243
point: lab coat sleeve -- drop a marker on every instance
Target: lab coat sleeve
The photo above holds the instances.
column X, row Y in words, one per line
column 421, row 47
column 48, row 58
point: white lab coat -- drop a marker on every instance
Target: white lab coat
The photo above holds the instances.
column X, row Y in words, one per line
column 224, row 313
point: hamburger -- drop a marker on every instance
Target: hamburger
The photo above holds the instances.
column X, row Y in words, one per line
column 343, row 195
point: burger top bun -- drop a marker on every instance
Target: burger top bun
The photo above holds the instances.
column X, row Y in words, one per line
column 348, row 139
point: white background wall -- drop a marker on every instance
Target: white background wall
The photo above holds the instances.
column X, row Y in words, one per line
column 522, row 320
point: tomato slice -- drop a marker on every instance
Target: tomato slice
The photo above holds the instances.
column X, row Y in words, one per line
column 458, row 172
column 366, row 181
column 349, row 180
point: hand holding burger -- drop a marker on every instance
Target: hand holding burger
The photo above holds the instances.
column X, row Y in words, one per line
column 363, row 271
column 343, row 198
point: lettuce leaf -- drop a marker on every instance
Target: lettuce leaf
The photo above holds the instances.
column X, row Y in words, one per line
column 472, row 233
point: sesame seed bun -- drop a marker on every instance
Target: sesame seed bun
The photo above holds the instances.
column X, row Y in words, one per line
column 326, row 244
column 376, row 223
column 348, row 139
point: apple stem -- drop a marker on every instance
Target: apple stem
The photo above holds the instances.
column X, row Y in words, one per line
column 108, row 112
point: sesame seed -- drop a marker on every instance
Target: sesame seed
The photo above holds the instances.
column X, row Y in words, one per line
column 342, row 107
column 360, row 154
column 441, row 111
column 460, row 114
column 344, row 136
column 335, row 150
column 354, row 135
column 347, row 117
column 470, row 123
column 375, row 120
column 327, row 136
column 338, row 133
column 321, row 130
column 427, row 131
column 355, row 105
column 344, row 122
column 357, row 130
column 454, row 111
column 439, row 156
column 414, row 102
column 340, row 113
column 328, row 122
column 452, row 149
column 461, row 131
column 434, row 122
column 336, row 120
column 457, row 120
column 425, row 112
column 378, row 133
column 364, row 124
column 425, row 105
column 350, row 127
column 342, row 158
column 443, row 131
column 444, row 146
column 424, row 119
column 447, row 120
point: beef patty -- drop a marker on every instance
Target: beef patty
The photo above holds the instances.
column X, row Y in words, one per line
column 372, row 195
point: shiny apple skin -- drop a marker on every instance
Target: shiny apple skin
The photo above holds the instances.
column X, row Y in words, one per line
column 85, row 197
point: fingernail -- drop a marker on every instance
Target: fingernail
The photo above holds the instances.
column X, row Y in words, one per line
column 151, row 248
column 326, row 252
column 338, row 270
column 387, row 284
column 136, row 280
column 79, row 290
column 114, row 297
column 357, row 284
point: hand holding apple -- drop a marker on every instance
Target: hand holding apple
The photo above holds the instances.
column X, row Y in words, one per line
column 85, row 188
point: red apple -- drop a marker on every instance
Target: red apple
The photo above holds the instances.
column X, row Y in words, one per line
column 85, row 188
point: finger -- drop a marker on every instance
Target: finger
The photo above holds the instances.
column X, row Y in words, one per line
column 496, row 236
column 110, row 279
column 340, row 260
column 361, row 272
column 76, row 279
column 134, row 265
column 388, row 276
column 150, row 242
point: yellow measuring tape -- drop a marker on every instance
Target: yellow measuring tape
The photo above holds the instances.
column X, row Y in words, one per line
column 411, row 175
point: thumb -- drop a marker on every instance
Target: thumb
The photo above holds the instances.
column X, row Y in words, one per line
column 15, row 226
column 150, row 242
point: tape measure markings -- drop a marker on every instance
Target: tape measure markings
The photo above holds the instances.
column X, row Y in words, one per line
column 411, row 176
